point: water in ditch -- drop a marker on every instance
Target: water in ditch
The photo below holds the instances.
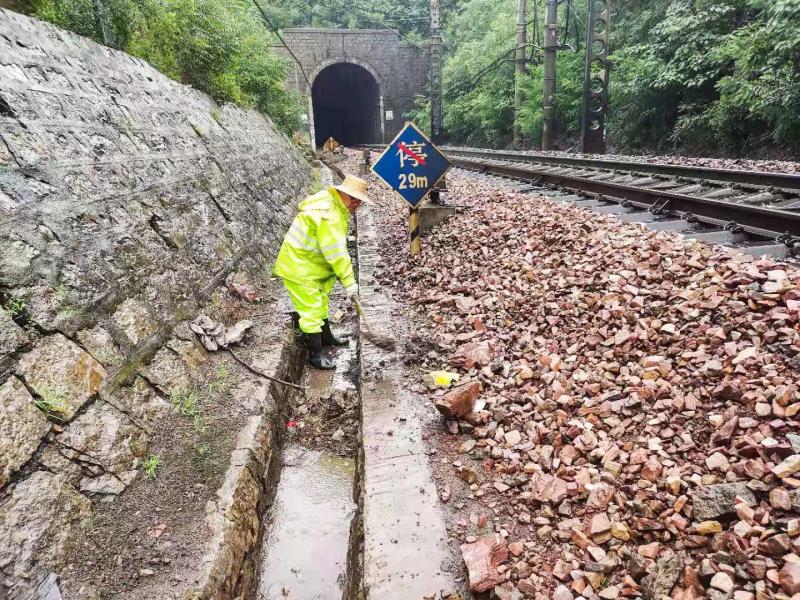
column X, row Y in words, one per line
column 309, row 528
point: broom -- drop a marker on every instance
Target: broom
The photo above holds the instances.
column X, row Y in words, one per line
column 384, row 342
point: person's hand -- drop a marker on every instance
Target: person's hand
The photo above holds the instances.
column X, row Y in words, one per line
column 351, row 291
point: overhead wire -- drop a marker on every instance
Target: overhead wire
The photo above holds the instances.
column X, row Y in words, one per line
column 274, row 29
column 536, row 44
column 474, row 79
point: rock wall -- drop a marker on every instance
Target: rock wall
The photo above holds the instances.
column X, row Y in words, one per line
column 125, row 199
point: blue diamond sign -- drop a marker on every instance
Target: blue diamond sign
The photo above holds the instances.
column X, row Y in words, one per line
column 411, row 165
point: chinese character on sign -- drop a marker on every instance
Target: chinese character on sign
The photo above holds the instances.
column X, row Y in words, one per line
column 411, row 165
column 413, row 152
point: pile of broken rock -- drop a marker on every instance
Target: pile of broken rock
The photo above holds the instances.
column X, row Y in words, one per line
column 639, row 392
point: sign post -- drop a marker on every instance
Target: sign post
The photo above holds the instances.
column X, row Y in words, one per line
column 412, row 166
column 413, row 230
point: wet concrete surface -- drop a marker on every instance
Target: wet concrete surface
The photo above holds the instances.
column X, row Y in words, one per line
column 406, row 553
column 309, row 527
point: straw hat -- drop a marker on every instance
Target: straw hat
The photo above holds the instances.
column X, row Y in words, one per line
column 355, row 187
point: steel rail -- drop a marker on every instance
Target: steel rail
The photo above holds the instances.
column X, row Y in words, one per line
column 755, row 178
column 787, row 181
column 757, row 220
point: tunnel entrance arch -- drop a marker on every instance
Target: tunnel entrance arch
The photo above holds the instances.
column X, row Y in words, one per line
column 347, row 105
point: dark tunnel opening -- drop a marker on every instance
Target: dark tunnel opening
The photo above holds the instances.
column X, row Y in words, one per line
column 346, row 105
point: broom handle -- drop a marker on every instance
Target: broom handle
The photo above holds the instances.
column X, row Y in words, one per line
column 357, row 304
column 360, row 312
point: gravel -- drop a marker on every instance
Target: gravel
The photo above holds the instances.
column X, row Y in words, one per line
column 637, row 392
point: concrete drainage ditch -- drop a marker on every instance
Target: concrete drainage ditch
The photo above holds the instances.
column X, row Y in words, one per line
column 350, row 510
column 307, row 529
column 311, row 535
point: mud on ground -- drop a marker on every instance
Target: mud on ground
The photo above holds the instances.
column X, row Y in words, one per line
column 149, row 541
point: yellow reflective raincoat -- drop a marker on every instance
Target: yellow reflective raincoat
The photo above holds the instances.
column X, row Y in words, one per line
column 314, row 254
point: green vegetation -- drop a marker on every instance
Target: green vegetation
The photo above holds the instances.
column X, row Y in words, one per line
column 185, row 402
column 150, row 465
column 699, row 76
column 410, row 18
column 50, row 400
column 218, row 46
column 316, row 181
column 222, row 380
column 14, row 306
column 708, row 76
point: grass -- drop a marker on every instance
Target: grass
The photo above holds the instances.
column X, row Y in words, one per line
column 316, row 182
column 185, row 402
column 222, row 379
column 150, row 465
column 60, row 293
column 202, row 450
column 14, row 306
column 66, row 313
column 90, row 521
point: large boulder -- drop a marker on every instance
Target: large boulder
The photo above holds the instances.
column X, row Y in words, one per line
column 460, row 401
column 482, row 559
column 38, row 526
column 63, row 374
column 22, row 427
column 712, row 501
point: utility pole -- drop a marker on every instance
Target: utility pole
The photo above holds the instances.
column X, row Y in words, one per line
column 549, row 90
column 520, row 67
column 436, row 74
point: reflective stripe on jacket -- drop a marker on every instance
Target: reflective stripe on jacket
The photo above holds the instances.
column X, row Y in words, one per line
column 315, row 247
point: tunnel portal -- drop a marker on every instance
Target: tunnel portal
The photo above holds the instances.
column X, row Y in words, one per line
column 346, row 102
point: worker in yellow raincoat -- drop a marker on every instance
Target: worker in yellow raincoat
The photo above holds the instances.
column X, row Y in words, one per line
column 313, row 256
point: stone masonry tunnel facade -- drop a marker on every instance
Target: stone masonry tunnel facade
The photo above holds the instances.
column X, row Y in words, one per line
column 360, row 84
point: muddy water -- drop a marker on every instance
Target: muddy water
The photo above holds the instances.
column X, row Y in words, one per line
column 306, row 545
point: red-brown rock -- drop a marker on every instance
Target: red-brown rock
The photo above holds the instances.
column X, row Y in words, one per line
column 789, row 577
column 482, row 559
column 473, row 354
column 459, row 402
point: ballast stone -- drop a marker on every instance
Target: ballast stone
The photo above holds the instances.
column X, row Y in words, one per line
column 22, row 427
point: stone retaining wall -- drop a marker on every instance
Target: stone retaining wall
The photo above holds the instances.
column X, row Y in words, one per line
column 125, row 199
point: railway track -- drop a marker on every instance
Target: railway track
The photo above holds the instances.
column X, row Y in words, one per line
column 757, row 212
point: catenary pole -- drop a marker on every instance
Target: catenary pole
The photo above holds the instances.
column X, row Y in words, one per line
column 520, row 67
column 436, row 73
column 549, row 91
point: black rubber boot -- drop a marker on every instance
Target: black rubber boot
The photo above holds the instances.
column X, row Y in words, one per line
column 313, row 343
column 328, row 339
